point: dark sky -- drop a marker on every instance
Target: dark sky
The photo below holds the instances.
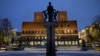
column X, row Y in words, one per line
column 23, row 10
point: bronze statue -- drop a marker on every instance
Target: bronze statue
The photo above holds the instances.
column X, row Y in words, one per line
column 50, row 13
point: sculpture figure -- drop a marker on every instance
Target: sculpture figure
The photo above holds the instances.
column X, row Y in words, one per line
column 50, row 17
column 50, row 13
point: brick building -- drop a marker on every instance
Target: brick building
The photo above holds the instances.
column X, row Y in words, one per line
column 34, row 33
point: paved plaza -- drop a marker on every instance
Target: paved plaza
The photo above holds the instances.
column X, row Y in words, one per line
column 65, row 51
column 42, row 53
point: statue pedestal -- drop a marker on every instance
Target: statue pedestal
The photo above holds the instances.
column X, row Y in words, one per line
column 50, row 46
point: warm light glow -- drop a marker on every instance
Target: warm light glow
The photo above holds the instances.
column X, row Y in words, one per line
column 45, row 37
column 38, row 17
column 68, row 31
column 83, row 30
column 65, row 31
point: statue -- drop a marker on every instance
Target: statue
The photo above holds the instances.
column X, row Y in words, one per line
column 51, row 13
column 50, row 17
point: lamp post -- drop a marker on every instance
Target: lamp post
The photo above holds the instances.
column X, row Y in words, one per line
column 50, row 24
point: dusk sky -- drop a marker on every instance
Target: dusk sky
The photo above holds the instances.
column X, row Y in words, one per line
column 18, row 11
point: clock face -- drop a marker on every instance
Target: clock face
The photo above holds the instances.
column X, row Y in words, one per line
column 62, row 16
column 38, row 17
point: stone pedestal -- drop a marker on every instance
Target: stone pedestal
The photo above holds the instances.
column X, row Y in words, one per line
column 50, row 46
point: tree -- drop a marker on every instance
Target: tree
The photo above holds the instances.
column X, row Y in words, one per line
column 3, row 38
column 97, row 27
column 5, row 26
column 94, row 30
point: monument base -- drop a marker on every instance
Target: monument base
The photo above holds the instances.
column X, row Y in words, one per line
column 50, row 47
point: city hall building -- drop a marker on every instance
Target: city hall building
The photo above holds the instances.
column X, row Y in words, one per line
column 34, row 32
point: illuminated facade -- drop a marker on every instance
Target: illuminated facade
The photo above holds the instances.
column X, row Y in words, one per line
column 34, row 33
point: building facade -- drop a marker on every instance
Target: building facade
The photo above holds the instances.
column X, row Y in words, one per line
column 34, row 33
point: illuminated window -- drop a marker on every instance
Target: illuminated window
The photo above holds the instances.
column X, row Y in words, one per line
column 55, row 37
column 68, row 31
column 45, row 37
column 73, row 43
column 42, row 37
column 57, row 31
column 35, row 37
column 61, row 42
column 66, row 42
column 69, row 42
column 35, row 42
column 38, row 42
column 76, row 42
column 71, row 31
column 56, row 43
column 65, row 31
column 38, row 37
column 31, row 43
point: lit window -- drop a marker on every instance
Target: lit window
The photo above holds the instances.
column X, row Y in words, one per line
column 76, row 42
column 66, row 42
column 65, row 31
column 61, row 42
column 69, row 42
column 55, row 37
column 73, row 43
column 31, row 43
column 38, row 42
column 56, row 43
column 68, row 31
column 45, row 37
column 72, row 31
column 57, row 31
column 35, row 37
column 38, row 37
